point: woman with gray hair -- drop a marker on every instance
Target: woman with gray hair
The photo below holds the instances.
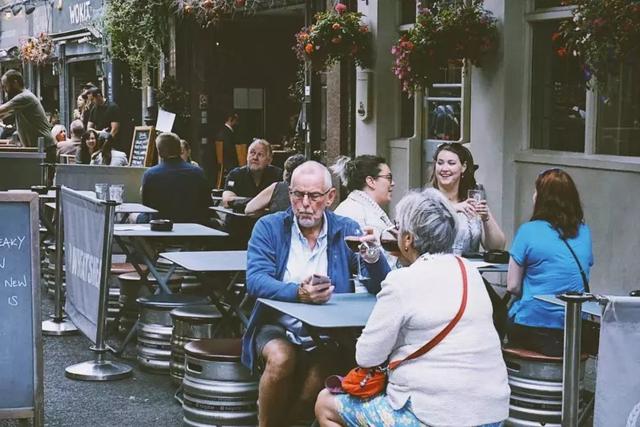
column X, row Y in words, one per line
column 462, row 380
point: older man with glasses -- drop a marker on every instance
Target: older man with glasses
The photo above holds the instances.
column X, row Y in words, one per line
column 289, row 255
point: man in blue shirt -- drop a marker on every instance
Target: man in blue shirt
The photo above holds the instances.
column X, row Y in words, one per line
column 285, row 251
column 177, row 189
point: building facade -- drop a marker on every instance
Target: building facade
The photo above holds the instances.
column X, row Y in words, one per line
column 528, row 110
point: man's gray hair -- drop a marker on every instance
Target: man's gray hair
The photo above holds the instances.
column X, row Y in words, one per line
column 76, row 128
column 265, row 144
column 311, row 166
column 430, row 219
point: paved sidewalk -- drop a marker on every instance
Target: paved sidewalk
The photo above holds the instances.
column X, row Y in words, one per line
column 144, row 400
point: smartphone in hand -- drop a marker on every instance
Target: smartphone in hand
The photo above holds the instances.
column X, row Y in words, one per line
column 318, row 279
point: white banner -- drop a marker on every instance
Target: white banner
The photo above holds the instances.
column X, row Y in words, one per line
column 84, row 220
column 618, row 376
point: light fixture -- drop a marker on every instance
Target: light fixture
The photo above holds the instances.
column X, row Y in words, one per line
column 7, row 13
column 29, row 8
column 16, row 8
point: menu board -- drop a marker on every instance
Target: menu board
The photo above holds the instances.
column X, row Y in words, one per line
column 20, row 327
column 143, row 147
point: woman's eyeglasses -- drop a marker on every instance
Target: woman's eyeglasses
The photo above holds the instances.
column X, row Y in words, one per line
column 388, row 177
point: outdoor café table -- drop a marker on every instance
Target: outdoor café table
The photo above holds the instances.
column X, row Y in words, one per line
column 227, row 211
column 341, row 311
column 203, row 262
column 123, row 209
column 487, row 267
column 136, row 239
column 592, row 308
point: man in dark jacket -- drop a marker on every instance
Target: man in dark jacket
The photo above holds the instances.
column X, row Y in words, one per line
column 177, row 189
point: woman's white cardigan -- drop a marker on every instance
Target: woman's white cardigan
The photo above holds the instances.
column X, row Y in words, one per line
column 463, row 380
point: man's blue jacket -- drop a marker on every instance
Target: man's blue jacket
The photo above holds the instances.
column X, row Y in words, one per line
column 267, row 257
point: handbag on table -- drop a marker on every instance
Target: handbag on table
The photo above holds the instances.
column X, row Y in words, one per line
column 366, row 383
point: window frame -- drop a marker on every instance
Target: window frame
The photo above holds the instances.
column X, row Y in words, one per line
column 607, row 161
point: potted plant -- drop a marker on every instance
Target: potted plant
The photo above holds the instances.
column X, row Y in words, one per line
column 444, row 33
column 37, row 50
column 603, row 34
column 335, row 35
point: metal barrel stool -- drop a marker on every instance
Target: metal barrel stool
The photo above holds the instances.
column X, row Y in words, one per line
column 536, row 388
column 113, row 307
column 189, row 324
column 218, row 389
column 155, row 327
column 131, row 288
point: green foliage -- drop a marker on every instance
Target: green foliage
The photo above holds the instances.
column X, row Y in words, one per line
column 334, row 35
column 173, row 98
column 602, row 34
column 445, row 33
column 138, row 30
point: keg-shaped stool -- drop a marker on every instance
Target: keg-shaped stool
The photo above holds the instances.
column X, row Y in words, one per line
column 536, row 388
column 218, row 389
column 155, row 327
column 131, row 288
column 189, row 324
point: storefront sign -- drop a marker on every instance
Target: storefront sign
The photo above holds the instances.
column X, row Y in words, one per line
column 76, row 15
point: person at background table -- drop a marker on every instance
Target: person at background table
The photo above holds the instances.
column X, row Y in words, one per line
column 369, row 181
column 72, row 146
column 248, row 181
column 176, row 189
column 59, row 133
column 542, row 264
column 105, row 155
column 285, row 250
column 104, row 115
column 453, row 175
column 185, row 152
column 462, row 381
column 275, row 198
column 30, row 117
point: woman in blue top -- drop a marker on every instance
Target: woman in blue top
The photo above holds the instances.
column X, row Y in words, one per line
column 542, row 264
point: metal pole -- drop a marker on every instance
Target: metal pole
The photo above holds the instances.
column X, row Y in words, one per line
column 571, row 362
column 58, row 325
column 308, row 78
column 101, row 369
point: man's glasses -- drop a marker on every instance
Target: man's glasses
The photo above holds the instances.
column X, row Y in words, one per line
column 314, row 196
column 388, row 177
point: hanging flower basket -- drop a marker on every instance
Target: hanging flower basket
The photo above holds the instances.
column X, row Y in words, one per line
column 602, row 34
column 335, row 35
column 37, row 50
column 210, row 12
column 445, row 33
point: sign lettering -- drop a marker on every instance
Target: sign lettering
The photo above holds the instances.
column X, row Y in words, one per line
column 80, row 13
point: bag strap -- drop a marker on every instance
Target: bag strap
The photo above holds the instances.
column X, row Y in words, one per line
column 443, row 333
column 582, row 273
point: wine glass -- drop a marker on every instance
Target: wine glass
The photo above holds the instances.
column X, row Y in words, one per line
column 356, row 245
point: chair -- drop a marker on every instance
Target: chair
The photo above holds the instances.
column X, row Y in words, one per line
column 241, row 152
column 69, row 159
column 220, row 162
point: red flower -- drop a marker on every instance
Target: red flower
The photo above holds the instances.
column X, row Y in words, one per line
column 336, row 26
column 308, row 48
column 555, row 36
column 341, row 8
column 240, row 3
column 562, row 52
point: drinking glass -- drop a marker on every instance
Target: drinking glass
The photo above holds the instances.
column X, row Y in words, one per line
column 116, row 192
column 476, row 194
column 102, row 191
column 354, row 243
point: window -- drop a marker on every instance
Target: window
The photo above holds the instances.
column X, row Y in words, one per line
column 558, row 95
column 565, row 114
column 444, row 105
column 618, row 120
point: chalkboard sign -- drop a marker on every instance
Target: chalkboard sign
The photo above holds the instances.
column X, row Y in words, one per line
column 21, row 394
column 143, row 146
